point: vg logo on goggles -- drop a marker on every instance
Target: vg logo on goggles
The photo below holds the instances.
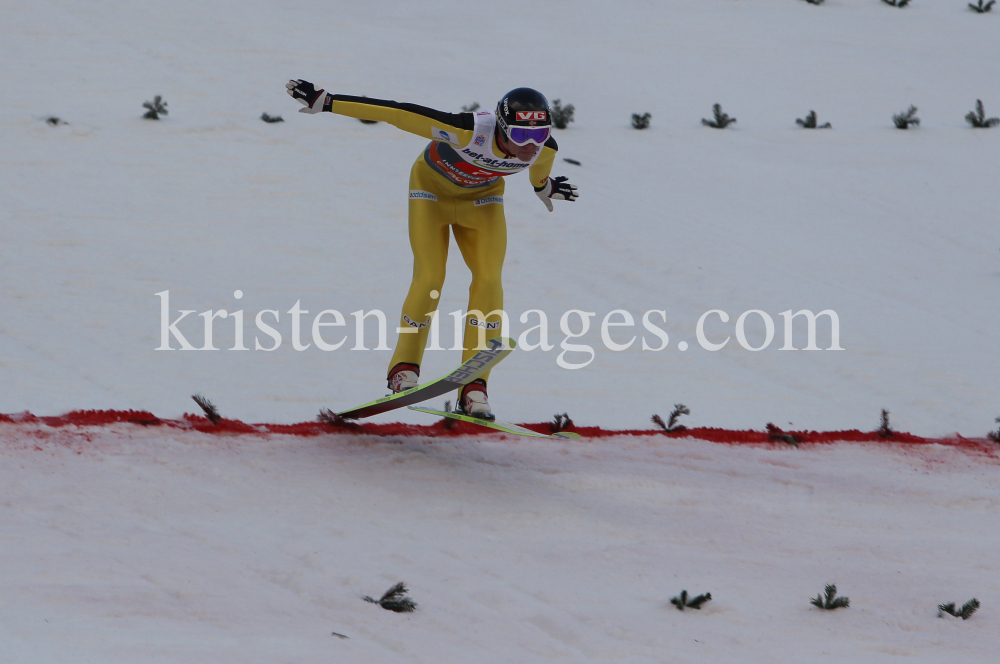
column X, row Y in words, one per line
column 522, row 135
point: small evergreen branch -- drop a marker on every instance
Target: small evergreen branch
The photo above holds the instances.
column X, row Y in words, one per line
column 815, row 2
column 721, row 121
column 339, row 635
column 562, row 115
column 156, row 108
column 969, row 608
column 572, row 161
column 682, row 602
column 810, row 122
column 211, row 412
column 561, row 423
column 679, row 409
column 474, row 106
column 896, row 3
column 671, row 425
column 995, row 435
column 271, row 119
column 775, row 434
column 327, row 416
column 904, row 120
column 978, row 118
column 54, row 121
column 394, row 599
column 448, row 423
column 964, row 613
column 699, row 600
column 641, row 121
column 980, row 9
column 831, row 601
column 884, row 430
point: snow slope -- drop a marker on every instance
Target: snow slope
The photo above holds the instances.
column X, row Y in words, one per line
column 129, row 544
column 895, row 231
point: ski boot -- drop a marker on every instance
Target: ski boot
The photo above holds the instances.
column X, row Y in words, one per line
column 474, row 402
column 403, row 377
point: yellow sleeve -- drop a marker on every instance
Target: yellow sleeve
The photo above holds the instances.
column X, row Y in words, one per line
column 427, row 122
column 539, row 171
column 411, row 118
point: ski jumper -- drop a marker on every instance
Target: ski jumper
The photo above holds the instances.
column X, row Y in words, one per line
column 457, row 183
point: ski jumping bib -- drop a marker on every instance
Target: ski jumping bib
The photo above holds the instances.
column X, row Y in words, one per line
column 473, row 165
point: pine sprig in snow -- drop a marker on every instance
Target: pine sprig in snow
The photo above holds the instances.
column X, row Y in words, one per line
column 562, row 115
column 904, row 120
column 327, row 416
column 156, row 108
column 721, row 121
column 884, row 430
column 394, row 599
column 775, row 434
column 831, row 601
column 671, row 425
column 561, row 423
column 896, row 3
column 980, row 9
column 978, row 119
column 447, row 422
column 682, row 602
column 640, row 121
column 211, row 412
column 964, row 613
column 810, row 122
column 995, row 435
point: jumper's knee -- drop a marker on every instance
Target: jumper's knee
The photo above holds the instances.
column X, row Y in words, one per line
column 488, row 287
column 424, row 283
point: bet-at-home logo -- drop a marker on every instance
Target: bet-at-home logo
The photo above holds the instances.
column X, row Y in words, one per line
column 494, row 164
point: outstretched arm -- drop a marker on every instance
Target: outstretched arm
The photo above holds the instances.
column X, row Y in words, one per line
column 419, row 120
column 547, row 188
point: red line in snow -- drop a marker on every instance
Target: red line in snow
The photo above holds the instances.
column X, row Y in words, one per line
column 98, row 418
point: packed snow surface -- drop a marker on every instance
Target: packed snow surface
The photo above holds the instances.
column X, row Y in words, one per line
column 895, row 231
column 131, row 544
column 125, row 544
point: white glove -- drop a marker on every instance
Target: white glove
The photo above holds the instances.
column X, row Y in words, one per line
column 557, row 189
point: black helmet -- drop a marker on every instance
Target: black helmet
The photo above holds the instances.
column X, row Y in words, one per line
column 523, row 107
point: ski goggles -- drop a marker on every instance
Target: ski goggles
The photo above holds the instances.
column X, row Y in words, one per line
column 524, row 135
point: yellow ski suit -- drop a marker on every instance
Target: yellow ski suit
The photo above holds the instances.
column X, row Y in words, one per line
column 448, row 191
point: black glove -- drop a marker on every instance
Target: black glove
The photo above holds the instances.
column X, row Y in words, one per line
column 306, row 93
column 558, row 189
